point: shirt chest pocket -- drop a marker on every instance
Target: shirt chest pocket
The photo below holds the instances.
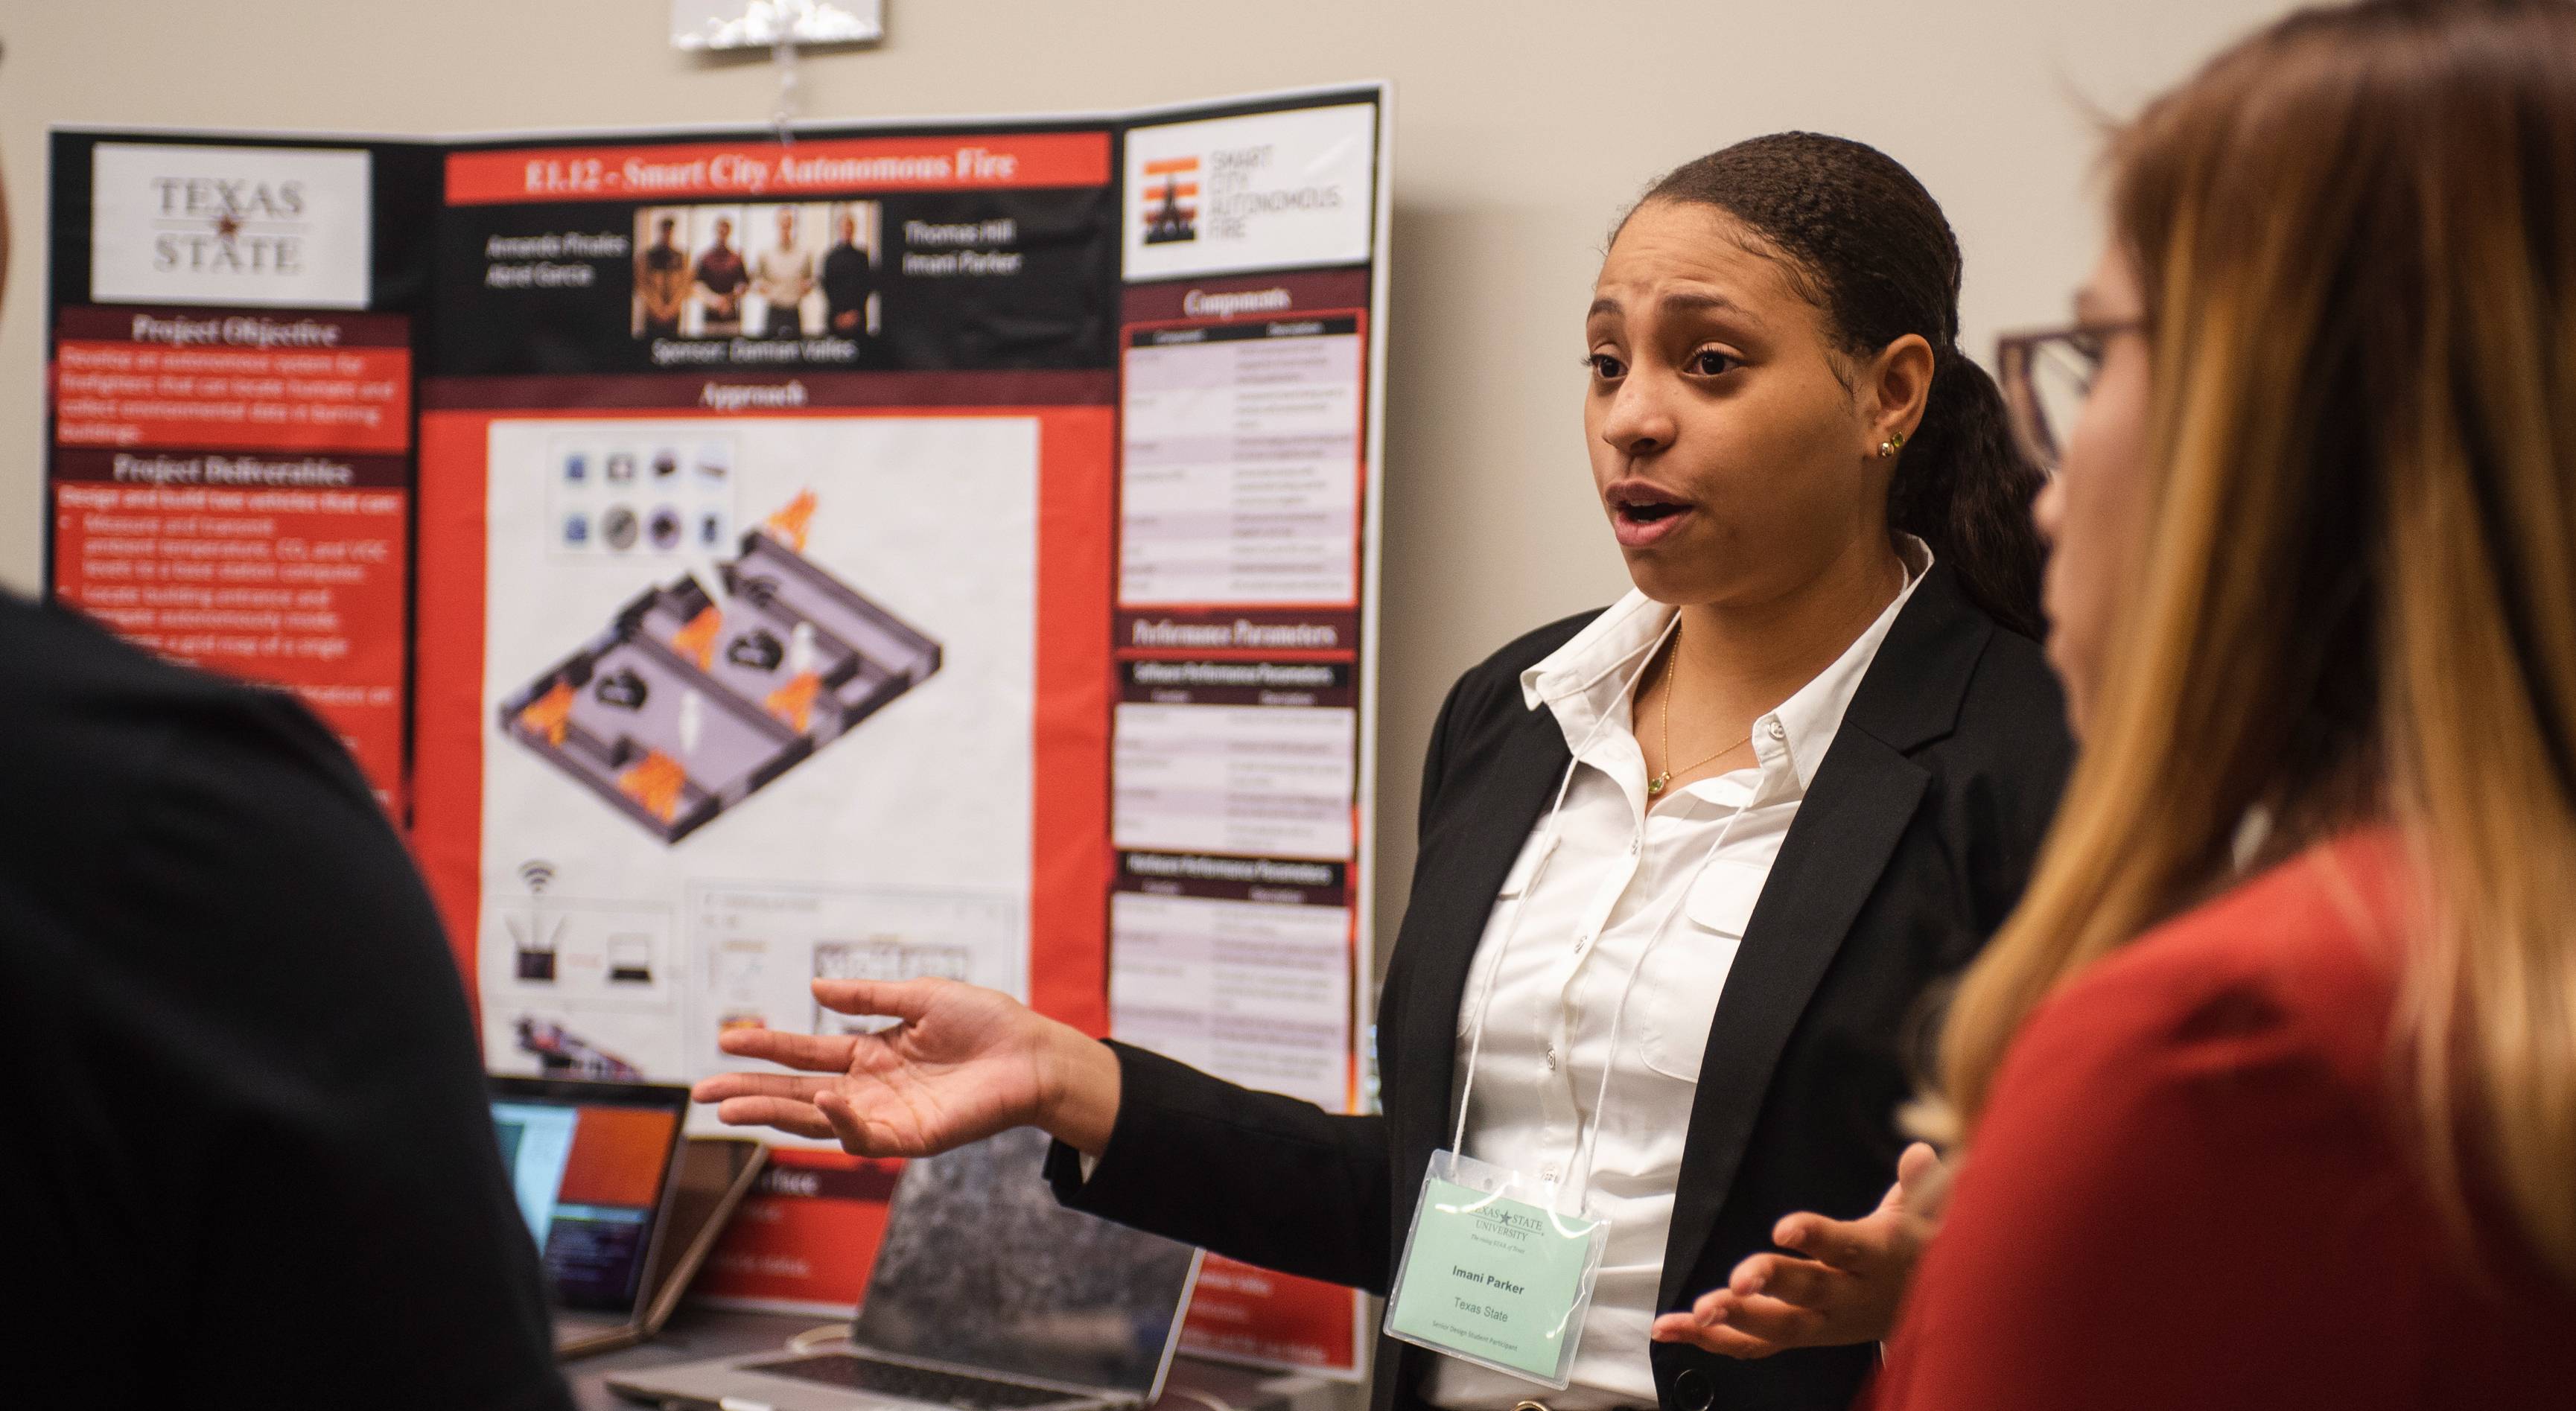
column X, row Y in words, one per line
column 1508, row 900
column 1677, row 991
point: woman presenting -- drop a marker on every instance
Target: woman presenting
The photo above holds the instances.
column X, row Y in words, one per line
column 1688, row 865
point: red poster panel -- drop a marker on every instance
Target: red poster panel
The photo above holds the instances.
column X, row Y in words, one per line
column 683, row 171
column 233, row 490
column 253, row 382
column 1249, row 1314
column 805, row 1237
column 1069, row 857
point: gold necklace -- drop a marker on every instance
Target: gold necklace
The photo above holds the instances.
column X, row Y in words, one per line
column 1672, row 665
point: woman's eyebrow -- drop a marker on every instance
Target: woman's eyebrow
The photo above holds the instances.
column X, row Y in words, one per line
column 1696, row 301
column 1680, row 302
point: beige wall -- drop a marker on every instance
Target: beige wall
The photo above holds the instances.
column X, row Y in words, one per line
column 1521, row 128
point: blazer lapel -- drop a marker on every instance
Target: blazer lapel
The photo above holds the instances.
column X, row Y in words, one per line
column 1500, row 807
column 1864, row 795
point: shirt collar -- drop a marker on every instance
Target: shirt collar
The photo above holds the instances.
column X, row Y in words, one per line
column 1814, row 715
column 1594, row 675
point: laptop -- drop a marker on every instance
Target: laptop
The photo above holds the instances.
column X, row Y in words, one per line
column 986, row 1296
column 595, row 1167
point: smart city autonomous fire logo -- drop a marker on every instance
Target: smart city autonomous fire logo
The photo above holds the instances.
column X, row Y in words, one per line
column 1171, row 197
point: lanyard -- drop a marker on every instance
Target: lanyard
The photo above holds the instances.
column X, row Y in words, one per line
column 1588, row 1132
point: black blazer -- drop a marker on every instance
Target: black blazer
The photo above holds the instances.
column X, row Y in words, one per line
column 1911, row 846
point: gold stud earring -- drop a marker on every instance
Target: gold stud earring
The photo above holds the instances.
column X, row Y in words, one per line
column 1888, row 448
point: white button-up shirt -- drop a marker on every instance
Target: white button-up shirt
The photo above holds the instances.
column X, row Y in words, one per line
column 1581, row 924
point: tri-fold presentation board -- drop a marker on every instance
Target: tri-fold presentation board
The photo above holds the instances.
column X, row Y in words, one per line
column 941, row 548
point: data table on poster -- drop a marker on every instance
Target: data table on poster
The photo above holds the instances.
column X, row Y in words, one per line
column 1268, row 781
column 1242, row 464
column 1256, row 990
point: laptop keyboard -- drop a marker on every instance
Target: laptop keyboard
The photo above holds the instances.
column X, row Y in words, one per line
column 909, row 1383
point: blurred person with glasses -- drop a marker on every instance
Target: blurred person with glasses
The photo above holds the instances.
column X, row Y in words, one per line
column 2266, row 1095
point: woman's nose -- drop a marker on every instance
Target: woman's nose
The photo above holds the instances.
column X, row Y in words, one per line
column 1640, row 420
column 2048, row 508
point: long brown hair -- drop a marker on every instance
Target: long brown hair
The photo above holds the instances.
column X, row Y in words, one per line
column 2357, row 236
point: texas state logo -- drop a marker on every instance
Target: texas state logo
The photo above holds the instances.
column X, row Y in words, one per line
column 201, row 223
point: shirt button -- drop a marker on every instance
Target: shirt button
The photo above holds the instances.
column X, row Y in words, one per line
column 1551, row 1058
column 1547, row 1172
column 1778, row 730
column 1634, row 844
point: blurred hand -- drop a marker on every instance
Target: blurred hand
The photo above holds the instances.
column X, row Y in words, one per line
column 1844, row 1290
column 964, row 1063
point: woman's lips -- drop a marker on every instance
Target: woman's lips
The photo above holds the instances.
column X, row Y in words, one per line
column 1642, row 515
column 1637, row 533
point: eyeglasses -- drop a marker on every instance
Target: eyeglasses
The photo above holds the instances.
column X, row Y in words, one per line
column 2046, row 376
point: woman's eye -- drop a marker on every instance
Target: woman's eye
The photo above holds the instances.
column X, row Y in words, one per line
column 1709, row 362
column 1604, row 366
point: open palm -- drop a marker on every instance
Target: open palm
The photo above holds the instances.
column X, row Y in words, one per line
column 964, row 1063
column 1842, row 1284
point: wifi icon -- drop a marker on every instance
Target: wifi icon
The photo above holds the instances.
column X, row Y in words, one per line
column 539, row 875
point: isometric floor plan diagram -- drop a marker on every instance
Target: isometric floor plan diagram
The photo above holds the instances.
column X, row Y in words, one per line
column 683, row 707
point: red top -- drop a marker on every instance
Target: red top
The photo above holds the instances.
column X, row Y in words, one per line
column 2188, row 1190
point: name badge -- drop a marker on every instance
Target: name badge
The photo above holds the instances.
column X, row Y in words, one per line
column 1495, row 1272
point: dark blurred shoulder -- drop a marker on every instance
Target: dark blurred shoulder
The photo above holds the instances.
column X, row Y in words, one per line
column 88, row 717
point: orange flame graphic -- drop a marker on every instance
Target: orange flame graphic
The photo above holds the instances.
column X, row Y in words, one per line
column 655, row 784
column 550, row 714
column 698, row 639
column 789, row 525
column 794, row 702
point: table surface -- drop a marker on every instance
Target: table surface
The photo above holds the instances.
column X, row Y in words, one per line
column 696, row 1333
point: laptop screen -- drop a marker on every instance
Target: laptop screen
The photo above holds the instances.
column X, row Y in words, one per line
column 981, row 1269
column 589, row 1163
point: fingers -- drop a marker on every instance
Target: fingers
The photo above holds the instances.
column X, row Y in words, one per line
column 906, row 1000
column 1927, row 1187
column 1772, row 1303
column 815, row 1053
column 1718, row 1338
column 785, row 1114
column 852, row 1131
column 1852, row 1245
column 732, row 1085
column 825, row 1113
column 1915, row 1167
column 1790, row 1281
column 1777, row 1325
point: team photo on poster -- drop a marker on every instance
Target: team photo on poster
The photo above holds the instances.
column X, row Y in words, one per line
column 772, row 271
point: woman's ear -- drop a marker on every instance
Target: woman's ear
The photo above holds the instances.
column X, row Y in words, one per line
column 1894, row 390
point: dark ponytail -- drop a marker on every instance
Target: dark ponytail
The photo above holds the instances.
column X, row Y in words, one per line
column 1871, row 248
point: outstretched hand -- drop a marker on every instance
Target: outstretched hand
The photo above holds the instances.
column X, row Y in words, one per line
column 1844, row 1289
column 963, row 1063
